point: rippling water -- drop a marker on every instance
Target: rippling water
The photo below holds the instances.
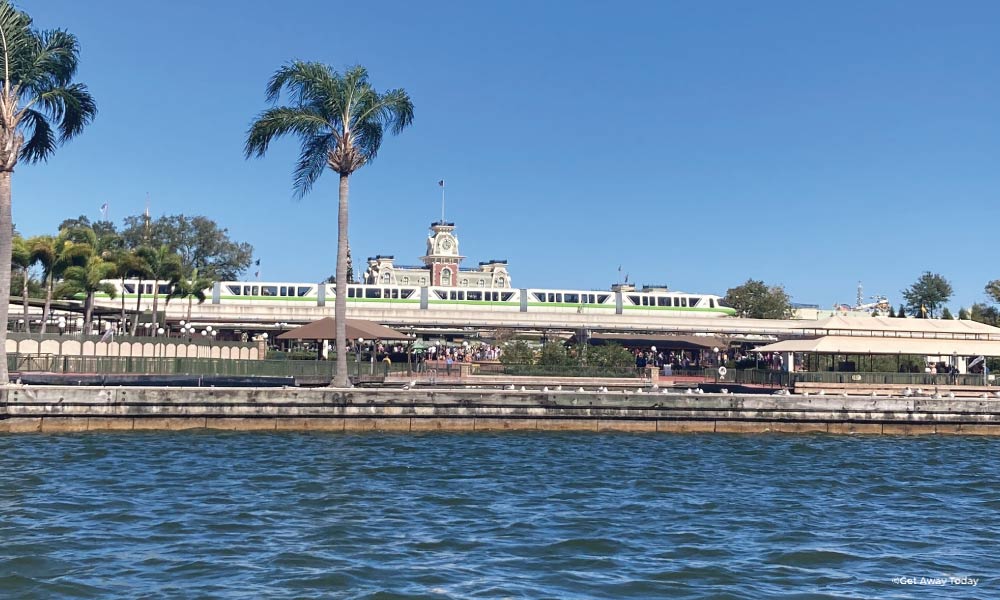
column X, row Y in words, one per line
column 218, row 515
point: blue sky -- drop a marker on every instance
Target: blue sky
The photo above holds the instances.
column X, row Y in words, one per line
column 696, row 144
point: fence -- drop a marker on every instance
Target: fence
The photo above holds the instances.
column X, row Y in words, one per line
column 137, row 365
column 549, row 370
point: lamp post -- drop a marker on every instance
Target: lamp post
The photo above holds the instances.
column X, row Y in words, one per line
column 357, row 355
column 62, row 325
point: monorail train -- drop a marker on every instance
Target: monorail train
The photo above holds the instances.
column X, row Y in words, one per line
column 408, row 297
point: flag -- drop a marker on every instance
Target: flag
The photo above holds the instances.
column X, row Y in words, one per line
column 441, row 183
column 257, row 274
column 257, row 263
column 104, row 209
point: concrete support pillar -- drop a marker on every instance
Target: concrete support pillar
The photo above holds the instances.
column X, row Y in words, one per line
column 788, row 362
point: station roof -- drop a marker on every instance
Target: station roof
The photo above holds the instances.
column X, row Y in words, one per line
column 326, row 329
column 895, row 327
column 664, row 341
column 838, row 344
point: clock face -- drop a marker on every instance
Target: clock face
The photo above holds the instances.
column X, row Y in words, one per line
column 446, row 244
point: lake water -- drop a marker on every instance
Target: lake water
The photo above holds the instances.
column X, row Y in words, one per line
column 506, row 515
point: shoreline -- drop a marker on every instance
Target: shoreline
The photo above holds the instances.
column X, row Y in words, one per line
column 30, row 409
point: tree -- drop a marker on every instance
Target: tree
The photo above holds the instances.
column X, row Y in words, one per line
column 985, row 313
column 946, row 314
column 892, row 313
column 45, row 253
column 40, row 107
column 340, row 121
column 901, row 313
column 88, row 280
column 610, row 356
column 928, row 293
column 963, row 315
column 517, row 353
column 20, row 259
column 191, row 287
column 164, row 266
column 199, row 241
column 554, row 354
column 755, row 300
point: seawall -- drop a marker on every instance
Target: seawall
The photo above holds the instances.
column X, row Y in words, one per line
column 71, row 409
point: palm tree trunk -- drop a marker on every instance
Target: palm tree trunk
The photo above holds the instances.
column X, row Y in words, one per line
column 156, row 297
column 6, row 248
column 24, row 301
column 48, row 302
column 138, row 299
column 122, row 323
column 340, row 302
column 88, row 312
column 190, row 300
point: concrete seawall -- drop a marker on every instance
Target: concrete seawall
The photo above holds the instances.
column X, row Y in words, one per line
column 65, row 409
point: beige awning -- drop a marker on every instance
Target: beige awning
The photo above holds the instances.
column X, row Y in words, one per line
column 837, row 344
column 326, row 329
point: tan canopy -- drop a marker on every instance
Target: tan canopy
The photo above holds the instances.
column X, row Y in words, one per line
column 326, row 329
column 836, row 344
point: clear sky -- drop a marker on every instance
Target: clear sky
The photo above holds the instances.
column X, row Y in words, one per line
column 696, row 144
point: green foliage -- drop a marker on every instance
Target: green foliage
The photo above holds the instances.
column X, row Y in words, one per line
column 517, row 353
column 929, row 292
column 610, row 355
column 963, row 315
column 901, row 313
column 984, row 313
column 946, row 314
column 892, row 313
column 554, row 354
column 47, row 107
column 199, row 241
column 756, row 300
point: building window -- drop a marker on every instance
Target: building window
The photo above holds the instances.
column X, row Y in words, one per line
column 465, row 282
column 423, row 281
column 385, row 278
column 482, row 283
column 445, row 277
column 406, row 281
column 500, row 282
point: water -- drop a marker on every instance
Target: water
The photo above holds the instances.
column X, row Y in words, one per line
column 297, row 515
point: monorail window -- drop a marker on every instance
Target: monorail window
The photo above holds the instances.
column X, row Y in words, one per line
column 129, row 288
column 572, row 298
column 684, row 301
column 441, row 294
column 350, row 292
column 373, row 293
column 602, row 298
column 635, row 300
column 694, row 301
column 506, row 296
column 539, row 297
column 268, row 290
column 303, row 291
column 474, row 295
column 661, row 301
column 711, row 303
column 406, row 293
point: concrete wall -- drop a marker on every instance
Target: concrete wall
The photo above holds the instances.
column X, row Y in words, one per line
column 149, row 347
column 52, row 408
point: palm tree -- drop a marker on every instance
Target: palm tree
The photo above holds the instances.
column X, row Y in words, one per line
column 40, row 107
column 340, row 121
column 192, row 288
column 129, row 266
column 88, row 280
column 45, row 252
column 164, row 265
column 20, row 259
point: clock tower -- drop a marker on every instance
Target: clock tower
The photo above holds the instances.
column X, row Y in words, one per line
column 442, row 254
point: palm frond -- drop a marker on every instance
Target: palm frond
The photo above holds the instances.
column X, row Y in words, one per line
column 279, row 121
column 72, row 106
column 41, row 140
column 312, row 161
column 53, row 62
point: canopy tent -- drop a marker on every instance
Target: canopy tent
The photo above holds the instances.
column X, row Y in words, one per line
column 837, row 344
column 326, row 329
column 904, row 328
column 661, row 341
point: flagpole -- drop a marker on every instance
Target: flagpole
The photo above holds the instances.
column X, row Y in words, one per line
column 442, row 200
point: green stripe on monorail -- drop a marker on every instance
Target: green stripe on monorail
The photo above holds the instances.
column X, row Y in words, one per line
column 687, row 308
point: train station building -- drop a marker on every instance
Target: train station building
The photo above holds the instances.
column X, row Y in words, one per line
column 442, row 266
